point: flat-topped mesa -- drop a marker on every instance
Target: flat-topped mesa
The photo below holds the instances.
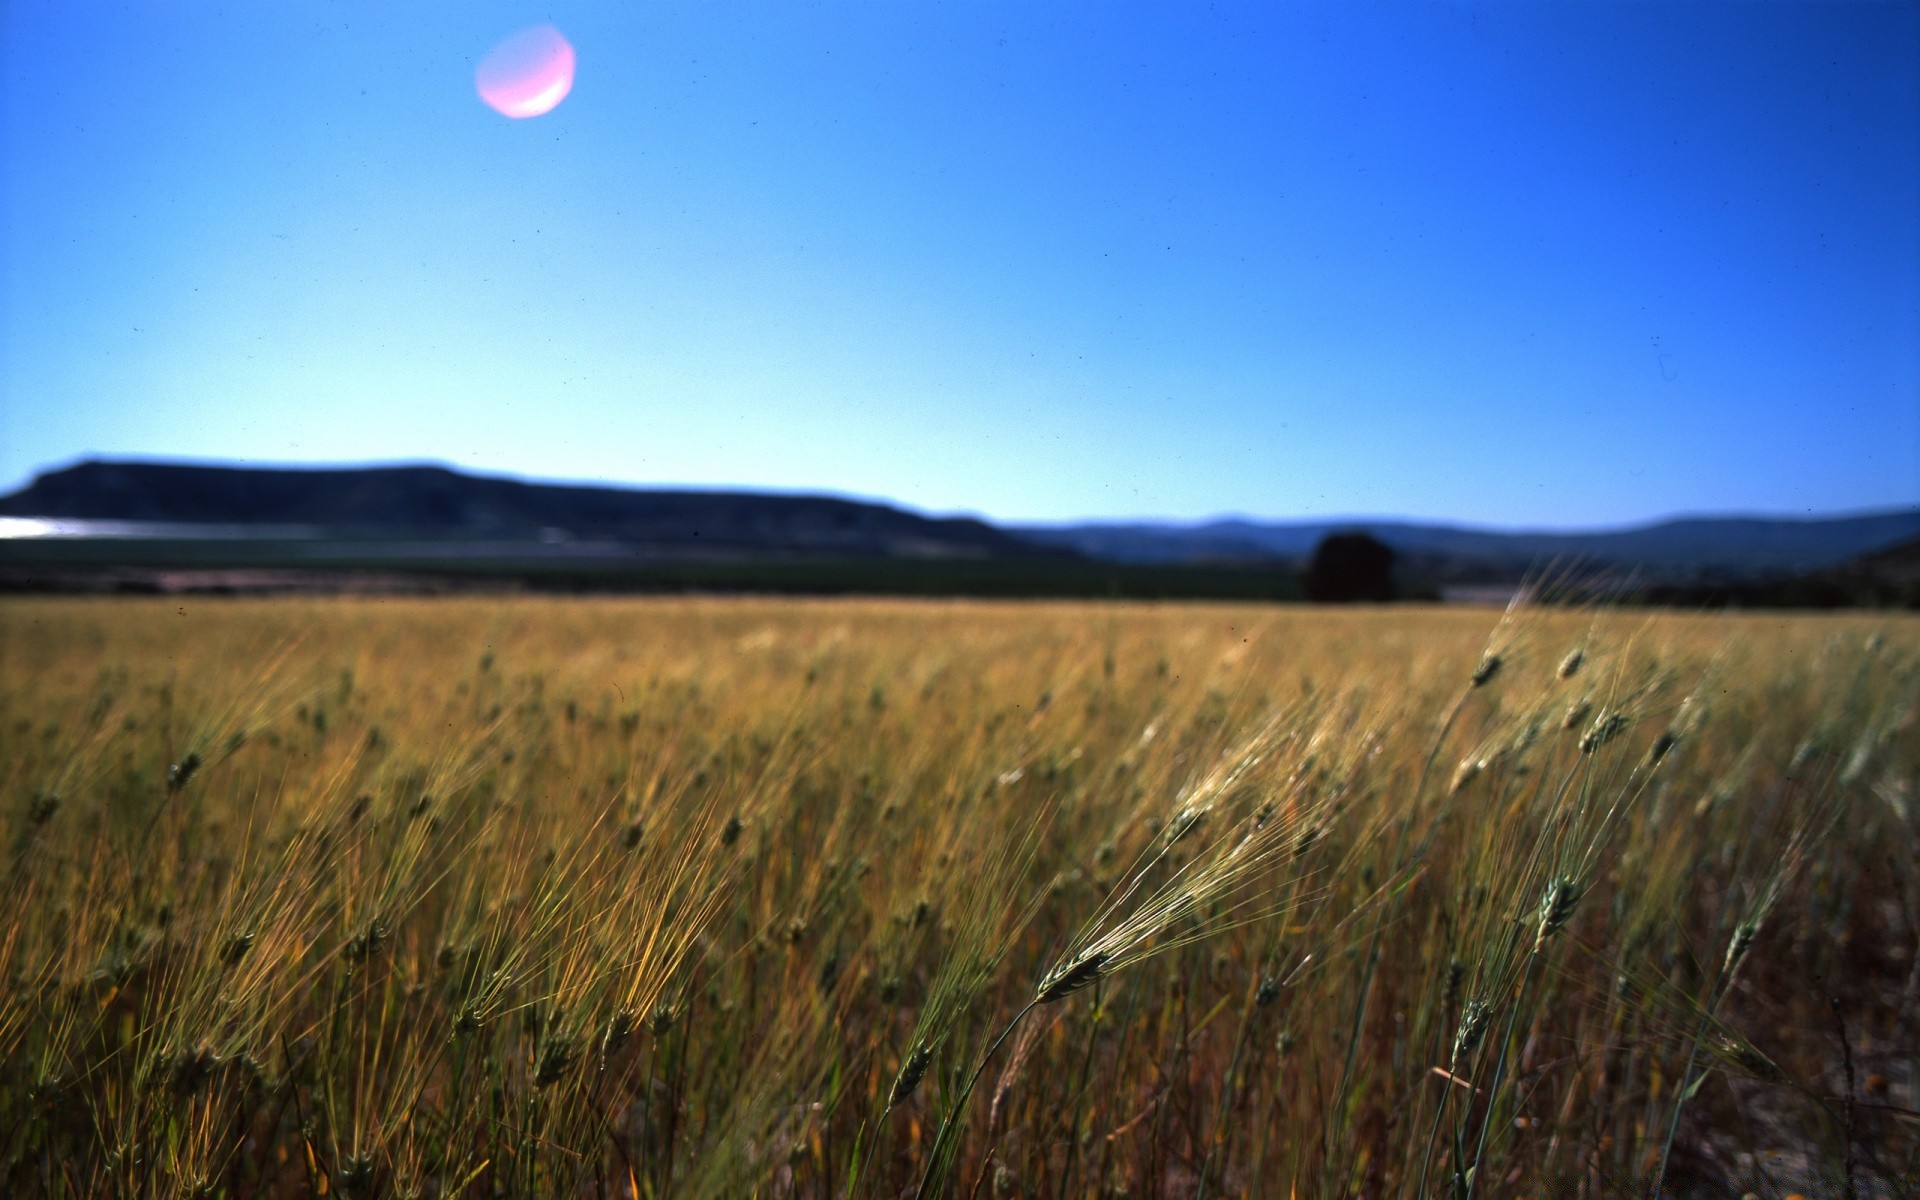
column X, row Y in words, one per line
column 436, row 502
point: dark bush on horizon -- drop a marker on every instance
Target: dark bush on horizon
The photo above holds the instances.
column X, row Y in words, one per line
column 1350, row 567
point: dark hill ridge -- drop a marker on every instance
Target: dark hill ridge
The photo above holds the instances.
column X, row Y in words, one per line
column 1888, row 578
column 434, row 502
column 1683, row 547
column 433, row 514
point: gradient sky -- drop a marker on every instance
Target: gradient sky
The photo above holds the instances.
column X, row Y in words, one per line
column 1531, row 264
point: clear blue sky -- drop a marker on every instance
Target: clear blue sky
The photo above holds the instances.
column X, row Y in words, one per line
column 1544, row 263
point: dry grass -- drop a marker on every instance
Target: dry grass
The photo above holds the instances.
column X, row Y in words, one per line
column 740, row 897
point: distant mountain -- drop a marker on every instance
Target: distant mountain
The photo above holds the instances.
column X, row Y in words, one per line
column 1888, row 578
column 1896, row 564
column 424, row 514
column 425, row 502
column 1692, row 546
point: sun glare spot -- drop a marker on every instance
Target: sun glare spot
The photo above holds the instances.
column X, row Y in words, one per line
column 528, row 74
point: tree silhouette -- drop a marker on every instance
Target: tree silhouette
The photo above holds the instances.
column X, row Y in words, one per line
column 1348, row 567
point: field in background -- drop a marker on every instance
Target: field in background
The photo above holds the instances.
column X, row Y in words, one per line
column 700, row 897
column 121, row 565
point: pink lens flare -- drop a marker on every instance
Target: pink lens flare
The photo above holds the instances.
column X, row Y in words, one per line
column 527, row 74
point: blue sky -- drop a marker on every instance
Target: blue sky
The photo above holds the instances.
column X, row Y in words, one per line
column 1527, row 264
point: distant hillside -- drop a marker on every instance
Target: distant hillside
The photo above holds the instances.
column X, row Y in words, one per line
column 1896, row 564
column 156, row 517
column 434, row 502
column 1888, row 578
column 1690, row 547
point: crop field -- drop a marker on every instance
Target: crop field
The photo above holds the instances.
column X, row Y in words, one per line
column 490, row 897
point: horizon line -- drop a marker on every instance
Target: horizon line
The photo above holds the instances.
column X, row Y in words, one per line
column 1189, row 524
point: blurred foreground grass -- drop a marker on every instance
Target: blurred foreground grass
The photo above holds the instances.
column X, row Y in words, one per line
column 700, row 897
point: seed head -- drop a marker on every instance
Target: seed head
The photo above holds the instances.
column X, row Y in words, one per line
column 1576, row 713
column 252, row 1070
column 47, row 1087
column 661, row 1019
column 1739, row 943
column 1606, row 727
column 1570, row 665
column 1005, row 1182
column 1474, row 1019
column 1185, row 822
column 912, row 1071
column 1858, row 762
column 189, row 1072
column 365, row 944
column 235, row 947
column 1749, row 1059
column 356, row 1176
column 619, row 1029
column 179, row 773
column 1267, row 993
column 1663, row 744
column 730, row 833
column 1469, row 769
column 1556, row 906
column 555, row 1057
column 1065, row 980
column 1488, row 668
column 1304, row 842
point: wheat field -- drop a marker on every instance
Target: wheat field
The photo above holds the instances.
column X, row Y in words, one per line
column 708, row 897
